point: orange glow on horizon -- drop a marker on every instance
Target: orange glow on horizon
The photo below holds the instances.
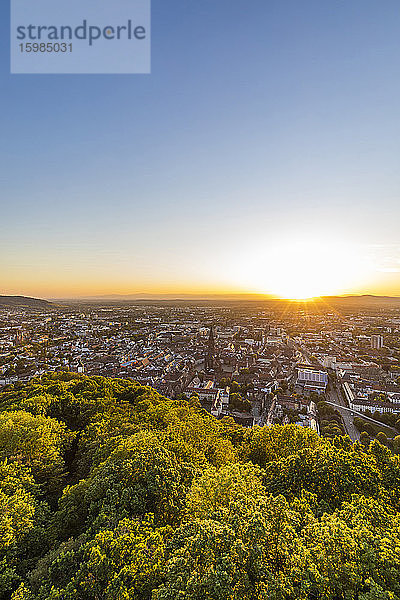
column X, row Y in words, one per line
column 292, row 269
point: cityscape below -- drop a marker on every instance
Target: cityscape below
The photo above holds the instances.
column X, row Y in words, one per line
column 332, row 365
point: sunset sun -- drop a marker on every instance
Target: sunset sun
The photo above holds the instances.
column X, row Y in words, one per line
column 301, row 269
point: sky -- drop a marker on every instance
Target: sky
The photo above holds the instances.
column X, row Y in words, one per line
column 261, row 155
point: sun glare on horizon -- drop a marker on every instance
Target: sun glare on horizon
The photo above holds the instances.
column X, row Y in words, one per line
column 304, row 269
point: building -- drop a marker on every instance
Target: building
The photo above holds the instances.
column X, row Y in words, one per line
column 329, row 362
column 209, row 394
column 361, row 404
column 376, row 342
column 221, row 403
column 206, row 391
column 311, row 379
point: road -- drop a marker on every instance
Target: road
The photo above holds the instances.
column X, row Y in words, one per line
column 258, row 415
column 334, row 396
column 355, row 413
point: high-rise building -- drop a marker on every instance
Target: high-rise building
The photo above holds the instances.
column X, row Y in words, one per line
column 376, row 341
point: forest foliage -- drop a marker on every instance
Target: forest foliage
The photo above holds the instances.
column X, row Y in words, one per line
column 109, row 491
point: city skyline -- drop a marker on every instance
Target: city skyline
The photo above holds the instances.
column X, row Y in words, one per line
column 259, row 157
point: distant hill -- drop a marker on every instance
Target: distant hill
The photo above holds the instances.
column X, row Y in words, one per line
column 23, row 301
column 351, row 301
column 365, row 300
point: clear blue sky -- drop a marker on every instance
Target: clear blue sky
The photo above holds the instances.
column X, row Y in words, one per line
column 261, row 120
